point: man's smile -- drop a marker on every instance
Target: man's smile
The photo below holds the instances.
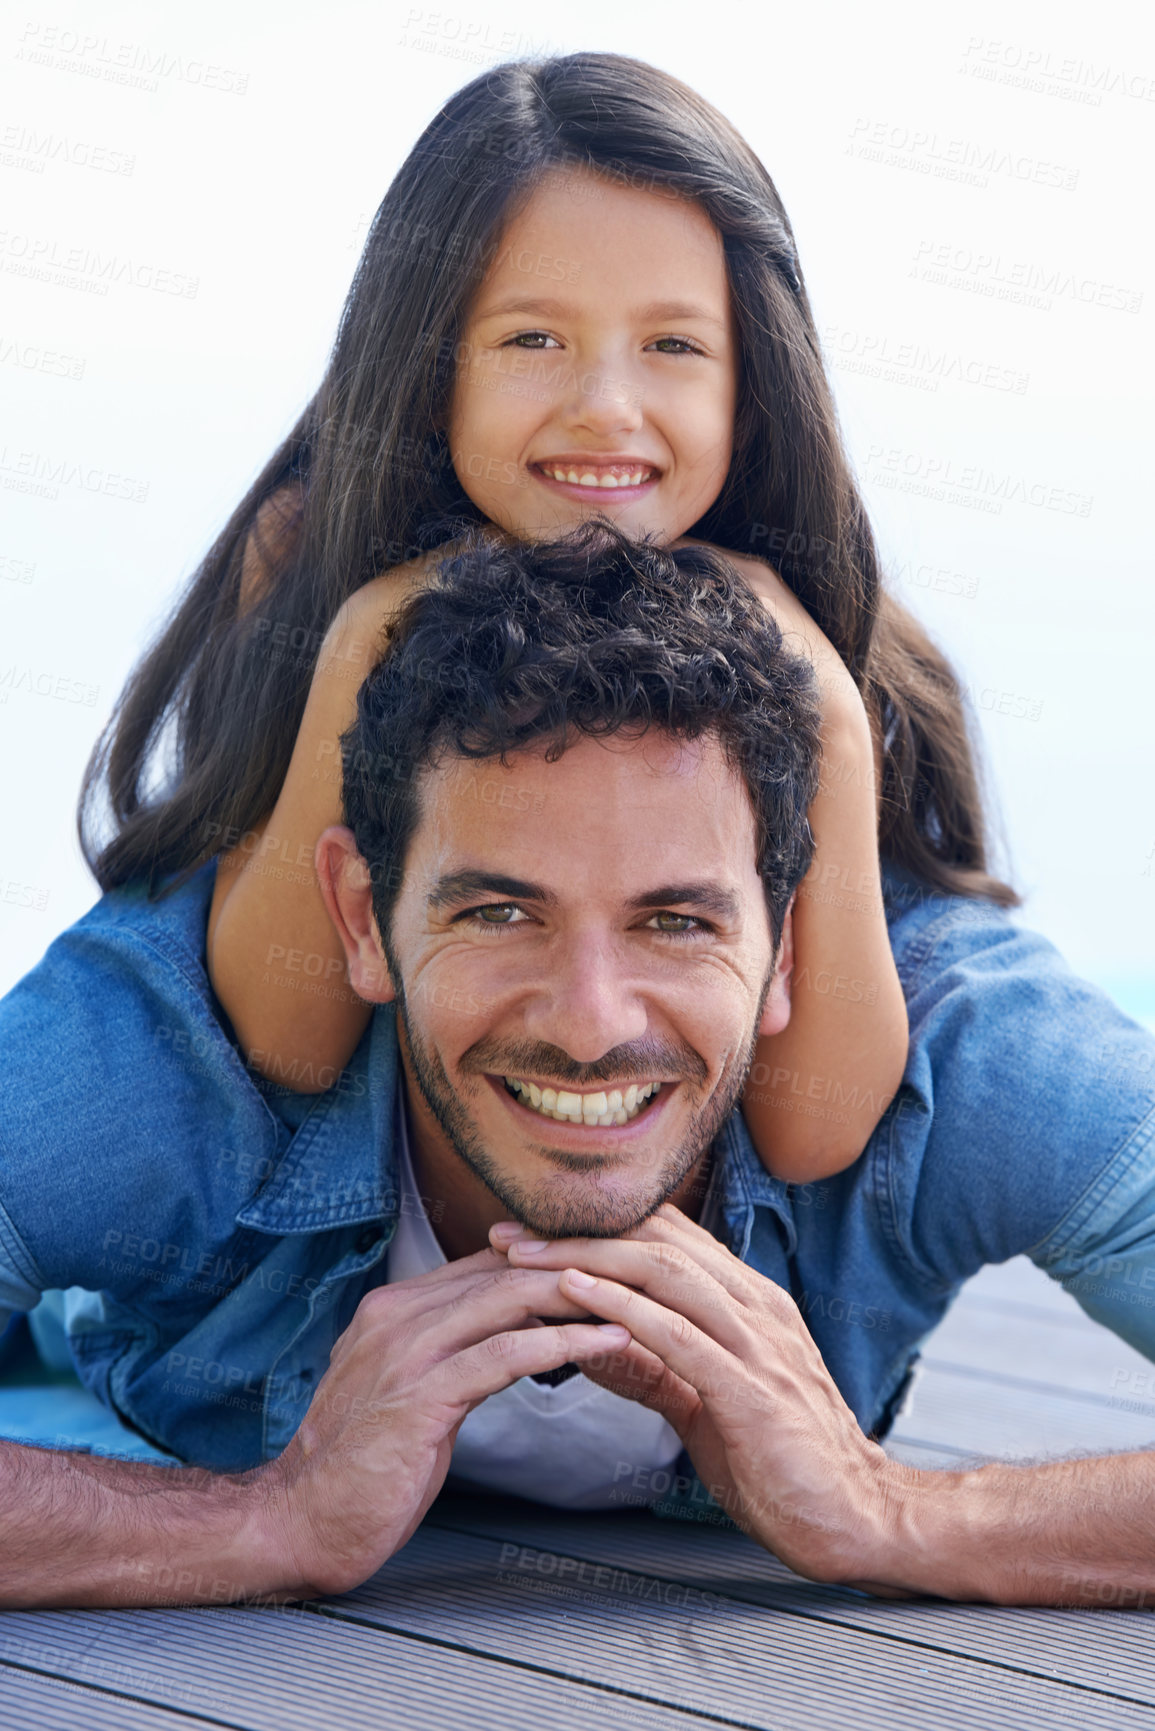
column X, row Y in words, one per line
column 617, row 1106
column 570, row 1129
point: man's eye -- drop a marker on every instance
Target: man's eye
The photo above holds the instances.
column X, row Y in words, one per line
column 498, row 914
column 674, row 925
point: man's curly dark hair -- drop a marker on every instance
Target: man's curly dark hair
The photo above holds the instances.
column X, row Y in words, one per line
column 524, row 646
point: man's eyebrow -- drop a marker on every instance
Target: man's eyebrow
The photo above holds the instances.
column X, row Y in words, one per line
column 548, row 308
column 707, row 898
column 463, row 885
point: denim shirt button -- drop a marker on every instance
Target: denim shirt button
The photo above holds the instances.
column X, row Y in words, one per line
column 366, row 1239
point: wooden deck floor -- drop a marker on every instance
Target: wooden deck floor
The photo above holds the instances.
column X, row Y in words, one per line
column 489, row 1618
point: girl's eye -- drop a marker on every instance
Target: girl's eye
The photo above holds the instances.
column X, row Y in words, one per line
column 676, row 346
column 675, row 925
column 531, row 340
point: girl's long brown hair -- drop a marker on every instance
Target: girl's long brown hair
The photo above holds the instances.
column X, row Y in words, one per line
column 200, row 742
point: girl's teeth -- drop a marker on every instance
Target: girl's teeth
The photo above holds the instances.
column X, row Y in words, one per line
column 606, row 478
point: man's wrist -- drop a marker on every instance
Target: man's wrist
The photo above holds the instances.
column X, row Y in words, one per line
column 923, row 1538
column 274, row 1546
column 238, row 1547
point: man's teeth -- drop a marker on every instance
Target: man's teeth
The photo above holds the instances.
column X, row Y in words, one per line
column 615, row 1107
column 616, row 476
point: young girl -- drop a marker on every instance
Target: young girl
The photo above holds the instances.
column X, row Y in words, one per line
column 579, row 295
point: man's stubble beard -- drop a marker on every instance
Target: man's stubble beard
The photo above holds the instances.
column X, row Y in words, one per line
column 600, row 1216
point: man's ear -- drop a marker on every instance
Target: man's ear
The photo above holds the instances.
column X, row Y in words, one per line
column 346, row 887
column 776, row 1012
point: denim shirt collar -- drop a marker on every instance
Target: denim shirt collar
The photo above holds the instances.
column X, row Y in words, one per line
column 747, row 1186
column 340, row 1165
column 332, row 1156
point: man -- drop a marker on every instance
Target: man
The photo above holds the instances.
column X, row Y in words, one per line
column 577, row 792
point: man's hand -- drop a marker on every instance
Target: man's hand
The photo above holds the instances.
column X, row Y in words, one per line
column 374, row 1447
column 725, row 1355
column 726, row 1358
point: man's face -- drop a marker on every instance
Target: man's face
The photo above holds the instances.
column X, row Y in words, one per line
column 584, row 961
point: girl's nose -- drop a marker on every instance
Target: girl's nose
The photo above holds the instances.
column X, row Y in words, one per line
column 599, row 402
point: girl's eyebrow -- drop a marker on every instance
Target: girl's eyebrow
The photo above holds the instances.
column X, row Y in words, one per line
column 551, row 308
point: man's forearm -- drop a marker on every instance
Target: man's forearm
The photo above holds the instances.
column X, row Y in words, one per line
column 79, row 1530
column 1078, row 1532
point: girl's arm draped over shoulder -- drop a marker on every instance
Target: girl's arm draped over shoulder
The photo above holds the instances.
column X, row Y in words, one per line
column 817, row 1089
column 275, row 962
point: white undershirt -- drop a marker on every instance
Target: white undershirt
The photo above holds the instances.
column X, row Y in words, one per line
column 576, row 1446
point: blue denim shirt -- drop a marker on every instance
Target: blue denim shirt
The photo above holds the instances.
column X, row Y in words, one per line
column 216, row 1233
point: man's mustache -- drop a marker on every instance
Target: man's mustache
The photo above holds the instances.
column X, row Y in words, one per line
column 641, row 1061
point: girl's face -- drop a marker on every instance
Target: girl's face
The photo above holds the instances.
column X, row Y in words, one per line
column 598, row 365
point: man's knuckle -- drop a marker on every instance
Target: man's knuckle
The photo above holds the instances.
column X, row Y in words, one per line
column 779, row 1303
column 510, row 1278
column 681, row 1329
column 501, row 1347
column 672, row 1260
column 375, row 1307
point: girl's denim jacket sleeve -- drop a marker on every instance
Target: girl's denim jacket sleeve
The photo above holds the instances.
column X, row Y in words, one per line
column 214, row 1233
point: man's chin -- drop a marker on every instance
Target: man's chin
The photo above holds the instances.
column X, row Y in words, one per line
column 573, row 1217
column 596, row 1194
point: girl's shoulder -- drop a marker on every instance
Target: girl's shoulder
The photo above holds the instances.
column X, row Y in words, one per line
column 378, row 600
column 761, row 577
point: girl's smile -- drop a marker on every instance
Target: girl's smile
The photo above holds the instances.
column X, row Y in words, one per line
column 597, row 369
column 584, row 478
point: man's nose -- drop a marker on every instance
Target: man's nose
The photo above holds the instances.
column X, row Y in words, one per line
column 587, row 1003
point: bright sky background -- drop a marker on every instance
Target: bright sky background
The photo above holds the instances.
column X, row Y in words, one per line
column 968, row 185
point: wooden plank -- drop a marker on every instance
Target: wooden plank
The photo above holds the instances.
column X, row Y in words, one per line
column 30, row 1701
column 955, row 1407
column 928, row 1459
column 713, row 1654
column 1019, row 1282
column 291, row 1669
column 1044, row 1349
column 1103, row 1651
column 1017, row 1370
